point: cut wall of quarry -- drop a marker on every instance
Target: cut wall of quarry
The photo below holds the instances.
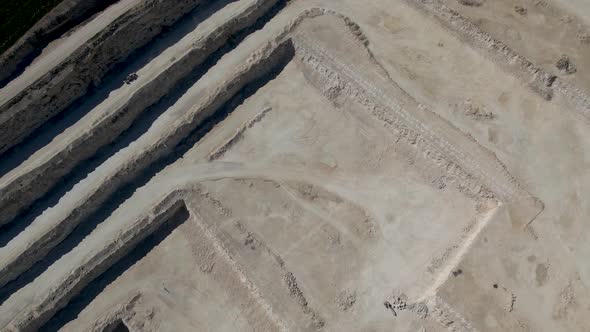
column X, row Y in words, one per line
column 301, row 165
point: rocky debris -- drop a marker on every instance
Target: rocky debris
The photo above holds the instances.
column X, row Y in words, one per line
column 316, row 321
column 520, row 10
column 420, row 309
column 396, row 302
column 472, row 3
column 509, row 59
column 550, row 80
column 399, row 302
column 389, row 306
column 237, row 136
column 328, row 75
column 26, row 188
column 565, row 65
column 541, row 274
column 346, row 299
column 249, row 241
column 356, row 31
column 294, row 290
column 476, row 112
column 118, row 325
column 544, row 87
column 512, row 302
column 65, row 16
column 130, row 78
column 566, row 19
column 262, row 62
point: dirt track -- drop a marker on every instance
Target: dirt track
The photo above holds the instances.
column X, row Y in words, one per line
column 264, row 165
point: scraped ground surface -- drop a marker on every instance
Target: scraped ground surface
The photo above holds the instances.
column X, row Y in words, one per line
column 334, row 165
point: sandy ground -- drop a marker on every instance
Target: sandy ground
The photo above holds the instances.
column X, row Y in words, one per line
column 344, row 166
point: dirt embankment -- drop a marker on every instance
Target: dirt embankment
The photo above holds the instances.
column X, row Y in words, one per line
column 86, row 67
column 23, row 191
column 65, row 16
column 259, row 67
column 540, row 81
column 171, row 209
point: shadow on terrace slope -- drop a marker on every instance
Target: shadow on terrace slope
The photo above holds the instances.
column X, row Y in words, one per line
column 95, row 287
column 142, row 177
column 16, row 155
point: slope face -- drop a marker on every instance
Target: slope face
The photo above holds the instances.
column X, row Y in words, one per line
column 277, row 166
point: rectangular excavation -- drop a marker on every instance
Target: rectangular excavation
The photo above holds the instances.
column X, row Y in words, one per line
column 321, row 66
column 41, row 93
column 36, row 176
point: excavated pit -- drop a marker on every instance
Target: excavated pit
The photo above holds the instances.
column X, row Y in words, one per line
column 118, row 326
column 51, row 93
column 166, row 222
column 23, row 190
column 301, row 165
column 107, row 198
column 63, row 18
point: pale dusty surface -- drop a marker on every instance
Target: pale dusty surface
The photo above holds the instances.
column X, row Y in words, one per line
column 370, row 167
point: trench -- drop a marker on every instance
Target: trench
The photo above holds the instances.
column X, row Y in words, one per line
column 44, row 40
column 118, row 326
column 112, row 81
column 85, row 68
column 118, row 267
column 53, row 183
column 112, row 194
